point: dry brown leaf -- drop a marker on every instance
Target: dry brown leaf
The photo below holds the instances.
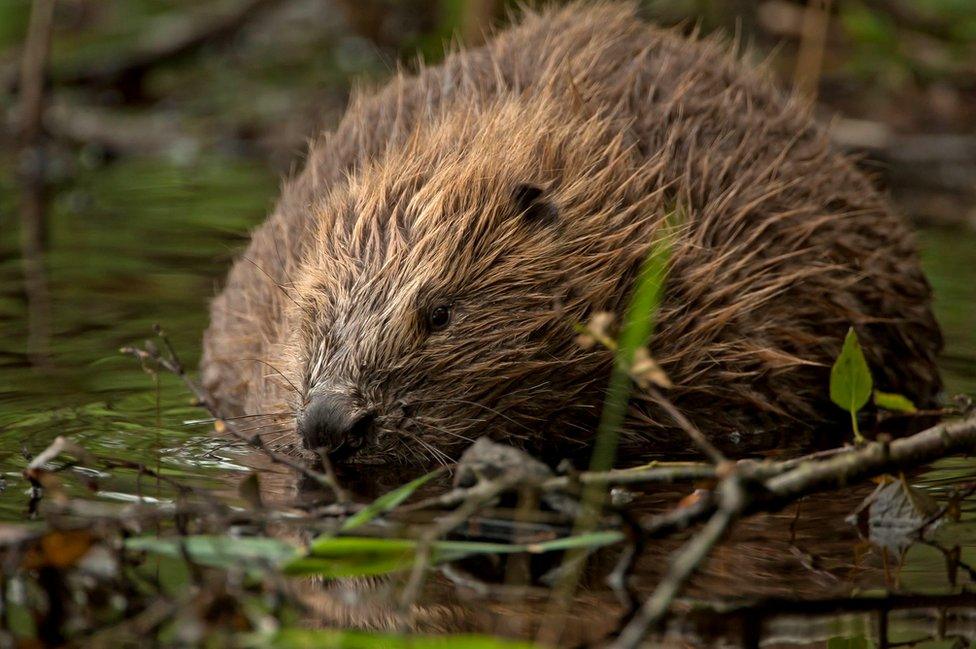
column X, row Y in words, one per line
column 597, row 330
column 646, row 372
column 59, row 549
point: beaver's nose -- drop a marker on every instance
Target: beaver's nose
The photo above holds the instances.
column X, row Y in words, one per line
column 334, row 423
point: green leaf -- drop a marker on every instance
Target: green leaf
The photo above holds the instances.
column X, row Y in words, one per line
column 588, row 540
column 351, row 556
column 453, row 550
column 216, row 551
column 636, row 330
column 352, row 566
column 340, row 547
column 642, row 311
column 850, row 379
column 893, row 401
column 387, row 502
column 295, row 638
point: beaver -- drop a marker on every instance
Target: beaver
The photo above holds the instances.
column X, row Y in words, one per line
column 420, row 282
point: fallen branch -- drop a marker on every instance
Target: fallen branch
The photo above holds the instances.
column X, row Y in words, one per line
column 117, row 131
column 744, row 492
column 948, row 438
column 655, row 472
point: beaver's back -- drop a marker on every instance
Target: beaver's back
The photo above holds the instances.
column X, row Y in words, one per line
column 786, row 246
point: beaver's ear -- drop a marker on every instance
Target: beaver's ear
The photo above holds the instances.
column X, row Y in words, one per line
column 532, row 206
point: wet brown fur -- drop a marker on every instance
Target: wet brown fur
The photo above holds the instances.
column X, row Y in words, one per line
column 409, row 203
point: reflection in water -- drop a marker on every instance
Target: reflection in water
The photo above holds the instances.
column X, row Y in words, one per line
column 33, row 181
column 32, row 244
column 142, row 243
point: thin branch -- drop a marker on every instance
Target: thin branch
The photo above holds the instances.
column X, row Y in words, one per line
column 949, row 438
column 477, row 497
column 777, row 489
column 957, row 496
column 174, row 366
column 771, row 606
column 342, row 497
column 732, row 500
column 689, row 428
column 809, row 60
column 33, row 70
column 655, row 472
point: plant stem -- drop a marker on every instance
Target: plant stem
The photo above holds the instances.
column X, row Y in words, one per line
column 858, row 437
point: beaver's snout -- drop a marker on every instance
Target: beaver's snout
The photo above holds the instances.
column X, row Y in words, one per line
column 335, row 423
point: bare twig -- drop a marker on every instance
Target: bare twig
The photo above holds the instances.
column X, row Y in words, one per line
column 477, row 497
column 57, row 447
column 341, row 495
column 949, row 438
column 477, row 19
column 689, row 428
column 832, row 605
column 173, row 365
column 116, row 130
column 732, row 499
column 655, row 472
column 959, row 494
column 781, row 488
column 33, row 70
column 453, row 497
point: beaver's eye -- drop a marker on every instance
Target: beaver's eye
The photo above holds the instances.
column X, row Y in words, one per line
column 439, row 317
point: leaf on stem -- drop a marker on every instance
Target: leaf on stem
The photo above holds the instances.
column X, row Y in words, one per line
column 850, row 380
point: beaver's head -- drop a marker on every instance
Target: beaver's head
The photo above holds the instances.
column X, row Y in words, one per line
column 439, row 298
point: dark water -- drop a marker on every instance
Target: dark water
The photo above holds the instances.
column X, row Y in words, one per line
column 142, row 243
column 130, row 246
